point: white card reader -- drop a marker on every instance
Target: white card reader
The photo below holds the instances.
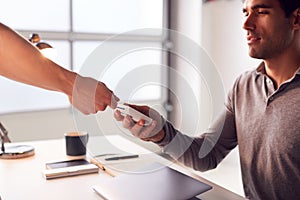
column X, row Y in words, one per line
column 136, row 115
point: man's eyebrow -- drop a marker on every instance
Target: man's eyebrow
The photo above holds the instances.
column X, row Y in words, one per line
column 257, row 6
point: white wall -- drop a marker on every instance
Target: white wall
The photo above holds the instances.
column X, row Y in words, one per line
column 225, row 40
column 217, row 27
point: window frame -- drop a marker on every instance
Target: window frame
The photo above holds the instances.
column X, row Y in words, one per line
column 72, row 36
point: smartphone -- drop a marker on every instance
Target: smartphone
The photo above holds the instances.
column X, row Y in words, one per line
column 66, row 163
column 69, row 168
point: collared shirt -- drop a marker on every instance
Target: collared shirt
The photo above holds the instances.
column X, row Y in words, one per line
column 264, row 123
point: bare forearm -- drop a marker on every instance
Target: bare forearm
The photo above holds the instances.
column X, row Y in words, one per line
column 22, row 62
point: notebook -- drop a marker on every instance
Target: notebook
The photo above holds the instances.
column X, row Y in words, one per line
column 154, row 181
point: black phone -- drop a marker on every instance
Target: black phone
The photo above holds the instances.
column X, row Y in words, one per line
column 67, row 163
column 69, row 168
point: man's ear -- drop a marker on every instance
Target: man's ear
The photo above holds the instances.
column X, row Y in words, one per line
column 296, row 16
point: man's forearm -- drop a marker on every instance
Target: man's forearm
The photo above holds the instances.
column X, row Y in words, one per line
column 22, row 62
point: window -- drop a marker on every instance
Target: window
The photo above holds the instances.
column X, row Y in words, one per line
column 78, row 29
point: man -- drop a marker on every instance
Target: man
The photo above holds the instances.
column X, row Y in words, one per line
column 262, row 112
column 21, row 61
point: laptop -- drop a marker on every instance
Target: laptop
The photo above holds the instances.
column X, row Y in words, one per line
column 154, row 181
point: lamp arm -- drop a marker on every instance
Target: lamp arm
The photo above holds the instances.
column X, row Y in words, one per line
column 4, row 136
column 13, row 151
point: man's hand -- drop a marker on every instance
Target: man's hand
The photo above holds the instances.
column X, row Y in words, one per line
column 154, row 132
column 90, row 96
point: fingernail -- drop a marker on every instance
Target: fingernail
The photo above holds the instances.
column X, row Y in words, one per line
column 141, row 122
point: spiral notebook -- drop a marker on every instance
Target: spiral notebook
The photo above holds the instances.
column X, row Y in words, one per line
column 154, row 181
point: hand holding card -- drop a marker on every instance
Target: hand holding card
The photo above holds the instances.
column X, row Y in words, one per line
column 135, row 119
column 136, row 115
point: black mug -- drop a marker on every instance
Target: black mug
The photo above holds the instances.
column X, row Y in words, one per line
column 76, row 143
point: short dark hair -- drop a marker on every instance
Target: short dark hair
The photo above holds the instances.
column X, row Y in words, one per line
column 288, row 6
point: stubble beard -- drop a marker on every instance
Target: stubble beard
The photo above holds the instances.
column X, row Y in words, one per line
column 269, row 49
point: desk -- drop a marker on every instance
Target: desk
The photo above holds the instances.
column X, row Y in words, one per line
column 23, row 178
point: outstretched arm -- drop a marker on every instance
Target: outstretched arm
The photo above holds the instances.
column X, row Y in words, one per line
column 22, row 62
column 202, row 152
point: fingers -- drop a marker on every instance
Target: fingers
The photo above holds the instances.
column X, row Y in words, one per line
column 105, row 97
column 141, row 122
column 128, row 123
column 100, row 107
column 136, row 128
column 144, row 132
column 153, row 132
column 118, row 116
column 90, row 96
column 114, row 101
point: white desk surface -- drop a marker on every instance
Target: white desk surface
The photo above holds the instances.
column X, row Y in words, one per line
column 23, row 178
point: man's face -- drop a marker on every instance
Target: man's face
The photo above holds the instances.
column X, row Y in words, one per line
column 269, row 32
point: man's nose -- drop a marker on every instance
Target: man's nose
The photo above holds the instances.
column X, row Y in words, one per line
column 249, row 23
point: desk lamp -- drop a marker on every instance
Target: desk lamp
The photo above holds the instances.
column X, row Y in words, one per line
column 46, row 49
column 10, row 150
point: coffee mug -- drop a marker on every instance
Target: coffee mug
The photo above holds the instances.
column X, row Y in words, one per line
column 76, row 143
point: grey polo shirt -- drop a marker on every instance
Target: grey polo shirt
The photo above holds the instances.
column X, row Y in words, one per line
column 264, row 123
